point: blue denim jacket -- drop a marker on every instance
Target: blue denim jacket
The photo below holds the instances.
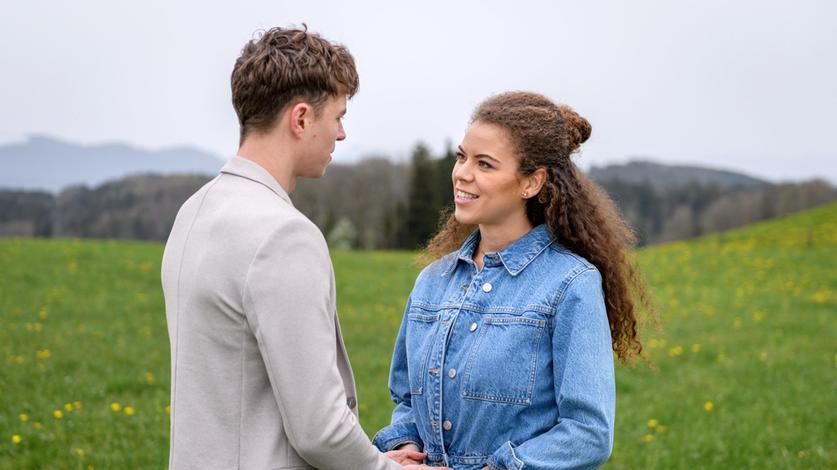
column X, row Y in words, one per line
column 510, row 366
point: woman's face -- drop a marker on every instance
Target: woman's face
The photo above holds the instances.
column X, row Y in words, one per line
column 486, row 185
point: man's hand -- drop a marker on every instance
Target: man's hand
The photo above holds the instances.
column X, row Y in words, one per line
column 407, row 454
column 410, row 457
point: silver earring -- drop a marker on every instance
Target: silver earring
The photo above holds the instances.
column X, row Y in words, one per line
column 524, row 195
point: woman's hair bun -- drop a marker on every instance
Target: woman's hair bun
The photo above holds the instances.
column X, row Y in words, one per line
column 578, row 128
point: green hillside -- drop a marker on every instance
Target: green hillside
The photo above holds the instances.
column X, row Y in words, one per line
column 742, row 374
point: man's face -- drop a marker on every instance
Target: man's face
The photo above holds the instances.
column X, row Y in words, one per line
column 320, row 138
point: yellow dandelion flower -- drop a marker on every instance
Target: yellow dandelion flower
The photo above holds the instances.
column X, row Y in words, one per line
column 661, row 428
column 820, row 297
column 79, row 452
column 24, row 417
column 68, row 407
column 149, row 378
column 653, row 423
column 648, row 437
column 37, row 425
column 42, row 354
column 90, row 467
column 708, row 406
column 763, row 356
column 16, row 439
column 737, row 323
column 115, row 406
column 77, row 405
column 57, row 414
column 695, row 348
column 802, row 454
column 72, row 266
column 652, row 343
column 21, row 360
column 675, row 351
column 758, row 315
column 42, row 314
column 129, row 410
column 168, row 409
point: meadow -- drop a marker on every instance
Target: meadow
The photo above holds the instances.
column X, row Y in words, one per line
column 741, row 374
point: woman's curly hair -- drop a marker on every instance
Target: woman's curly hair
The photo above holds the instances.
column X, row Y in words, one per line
column 578, row 212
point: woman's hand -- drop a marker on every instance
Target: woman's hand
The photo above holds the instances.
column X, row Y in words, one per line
column 406, row 454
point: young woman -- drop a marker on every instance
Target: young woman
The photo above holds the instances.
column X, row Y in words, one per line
column 504, row 359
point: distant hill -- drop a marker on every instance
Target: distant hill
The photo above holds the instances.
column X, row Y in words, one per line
column 49, row 164
column 666, row 176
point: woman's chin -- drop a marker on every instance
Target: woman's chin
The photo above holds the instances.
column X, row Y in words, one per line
column 462, row 218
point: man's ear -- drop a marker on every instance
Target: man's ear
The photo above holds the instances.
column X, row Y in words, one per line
column 300, row 117
column 533, row 183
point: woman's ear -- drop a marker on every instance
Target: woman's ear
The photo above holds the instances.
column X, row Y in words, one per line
column 533, row 183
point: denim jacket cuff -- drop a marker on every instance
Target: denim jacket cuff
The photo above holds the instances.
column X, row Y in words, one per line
column 392, row 436
column 504, row 459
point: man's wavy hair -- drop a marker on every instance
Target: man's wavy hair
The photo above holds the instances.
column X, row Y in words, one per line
column 282, row 66
column 579, row 214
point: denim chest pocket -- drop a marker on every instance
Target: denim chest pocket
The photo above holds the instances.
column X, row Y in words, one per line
column 420, row 334
column 503, row 360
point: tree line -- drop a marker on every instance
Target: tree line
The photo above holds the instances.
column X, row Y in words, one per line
column 380, row 204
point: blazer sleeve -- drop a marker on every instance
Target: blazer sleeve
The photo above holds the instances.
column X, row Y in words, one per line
column 288, row 305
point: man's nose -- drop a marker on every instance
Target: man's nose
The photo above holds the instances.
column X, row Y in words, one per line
column 341, row 133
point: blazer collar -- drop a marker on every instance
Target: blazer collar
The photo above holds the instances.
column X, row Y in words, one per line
column 251, row 170
column 514, row 257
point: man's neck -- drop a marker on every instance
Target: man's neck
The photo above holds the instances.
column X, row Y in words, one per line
column 270, row 154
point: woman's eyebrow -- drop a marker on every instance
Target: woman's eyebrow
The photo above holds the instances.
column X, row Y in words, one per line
column 484, row 155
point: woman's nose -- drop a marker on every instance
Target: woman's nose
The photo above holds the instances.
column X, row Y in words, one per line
column 461, row 171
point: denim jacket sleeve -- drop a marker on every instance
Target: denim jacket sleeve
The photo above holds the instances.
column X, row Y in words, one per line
column 402, row 428
column 584, row 386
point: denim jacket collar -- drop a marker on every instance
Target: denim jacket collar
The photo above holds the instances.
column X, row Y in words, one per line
column 514, row 257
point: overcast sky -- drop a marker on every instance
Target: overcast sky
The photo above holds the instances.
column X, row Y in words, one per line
column 743, row 85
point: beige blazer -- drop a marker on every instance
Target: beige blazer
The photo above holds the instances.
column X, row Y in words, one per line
column 260, row 378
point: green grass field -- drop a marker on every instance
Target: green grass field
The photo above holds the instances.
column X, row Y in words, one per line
column 743, row 373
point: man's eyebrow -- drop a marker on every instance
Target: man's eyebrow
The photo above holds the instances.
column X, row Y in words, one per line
column 483, row 155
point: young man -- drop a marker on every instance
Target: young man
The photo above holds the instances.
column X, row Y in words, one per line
column 260, row 376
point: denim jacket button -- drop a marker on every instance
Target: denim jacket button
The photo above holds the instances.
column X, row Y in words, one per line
column 473, row 327
column 452, row 373
column 447, row 425
column 486, row 287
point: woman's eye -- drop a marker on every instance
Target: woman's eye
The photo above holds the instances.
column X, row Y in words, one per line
column 485, row 164
column 460, row 157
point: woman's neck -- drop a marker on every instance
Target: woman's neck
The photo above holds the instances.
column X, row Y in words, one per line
column 497, row 237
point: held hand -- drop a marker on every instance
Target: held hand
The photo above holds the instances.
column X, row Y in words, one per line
column 425, row 467
column 408, row 454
